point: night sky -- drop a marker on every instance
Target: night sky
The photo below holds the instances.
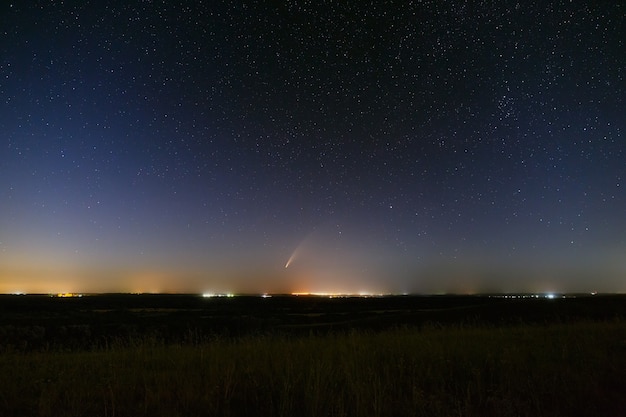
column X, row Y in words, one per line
column 416, row 146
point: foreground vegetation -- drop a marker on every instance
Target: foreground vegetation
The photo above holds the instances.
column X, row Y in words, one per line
column 571, row 369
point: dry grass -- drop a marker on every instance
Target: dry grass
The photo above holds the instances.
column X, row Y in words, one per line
column 555, row 370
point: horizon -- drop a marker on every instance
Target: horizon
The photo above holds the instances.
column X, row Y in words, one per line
column 460, row 283
column 511, row 295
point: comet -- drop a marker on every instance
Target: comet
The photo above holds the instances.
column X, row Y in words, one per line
column 298, row 249
column 312, row 239
column 293, row 255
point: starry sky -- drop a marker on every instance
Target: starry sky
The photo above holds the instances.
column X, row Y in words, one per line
column 396, row 146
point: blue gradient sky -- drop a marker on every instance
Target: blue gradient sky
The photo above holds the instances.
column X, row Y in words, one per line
column 403, row 147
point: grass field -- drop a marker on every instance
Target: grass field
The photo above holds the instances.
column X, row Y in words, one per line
column 569, row 369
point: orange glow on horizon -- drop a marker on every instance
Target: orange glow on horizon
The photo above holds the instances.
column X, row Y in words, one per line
column 336, row 294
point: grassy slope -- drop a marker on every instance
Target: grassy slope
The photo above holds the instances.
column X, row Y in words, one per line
column 555, row 370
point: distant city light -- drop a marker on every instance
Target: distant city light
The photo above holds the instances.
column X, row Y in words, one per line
column 219, row 295
column 549, row 296
column 336, row 295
